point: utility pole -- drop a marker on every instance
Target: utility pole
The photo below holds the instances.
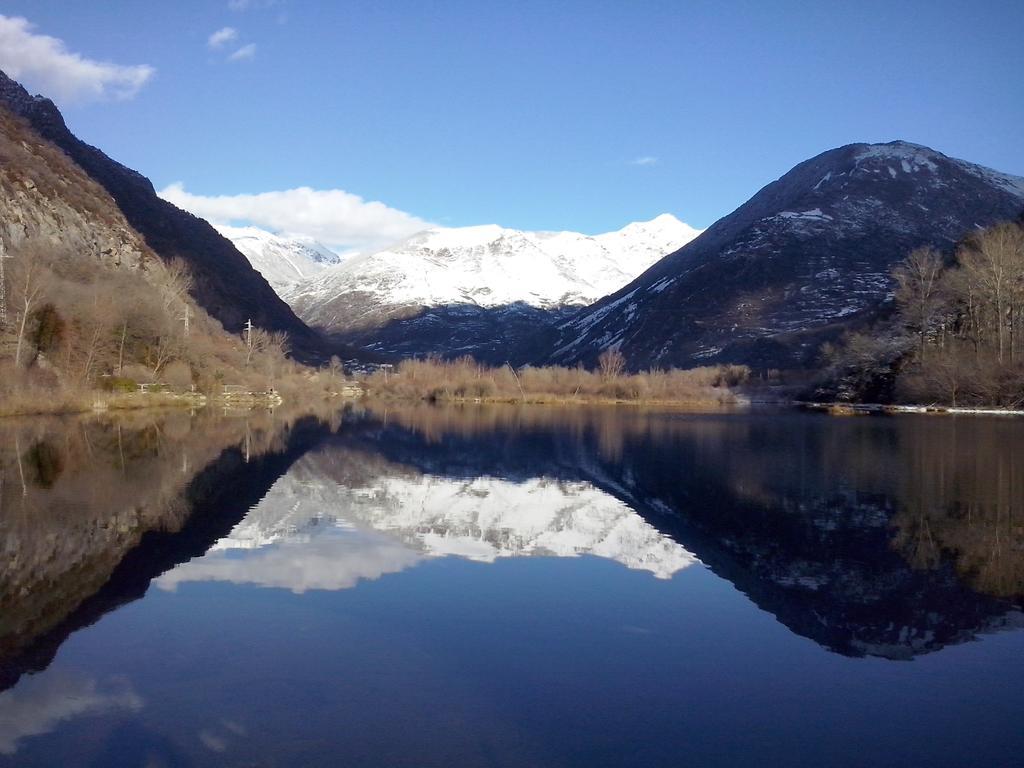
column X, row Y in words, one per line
column 186, row 317
column 248, row 341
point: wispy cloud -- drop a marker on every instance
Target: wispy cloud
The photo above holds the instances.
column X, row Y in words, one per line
column 644, row 160
column 245, row 5
column 45, row 63
column 336, row 218
column 247, row 51
column 222, row 37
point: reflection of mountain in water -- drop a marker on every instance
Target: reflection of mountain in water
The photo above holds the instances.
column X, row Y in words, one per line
column 323, row 530
column 814, row 518
column 888, row 537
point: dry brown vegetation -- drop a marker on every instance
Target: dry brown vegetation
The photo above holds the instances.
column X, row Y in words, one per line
column 957, row 336
column 434, row 379
column 81, row 333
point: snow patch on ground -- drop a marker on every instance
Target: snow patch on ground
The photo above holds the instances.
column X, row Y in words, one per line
column 911, row 157
column 814, row 213
column 1012, row 184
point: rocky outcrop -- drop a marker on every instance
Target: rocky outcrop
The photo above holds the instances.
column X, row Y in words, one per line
column 45, row 197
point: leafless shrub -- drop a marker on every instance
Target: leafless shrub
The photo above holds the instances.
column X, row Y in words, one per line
column 464, row 379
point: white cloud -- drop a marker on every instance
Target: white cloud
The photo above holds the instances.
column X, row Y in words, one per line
column 644, row 160
column 222, row 37
column 46, row 64
column 245, row 52
column 335, row 217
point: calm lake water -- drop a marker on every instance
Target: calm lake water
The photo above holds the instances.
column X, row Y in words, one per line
column 512, row 587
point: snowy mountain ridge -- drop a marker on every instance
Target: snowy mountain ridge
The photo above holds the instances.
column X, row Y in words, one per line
column 312, row 532
column 281, row 259
column 483, row 267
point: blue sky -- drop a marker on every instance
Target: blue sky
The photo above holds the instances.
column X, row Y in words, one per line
column 537, row 115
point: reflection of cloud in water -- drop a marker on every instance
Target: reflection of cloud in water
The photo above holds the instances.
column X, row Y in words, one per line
column 313, row 532
column 213, row 742
column 40, row 702
column 219, row 739
column 335, row 560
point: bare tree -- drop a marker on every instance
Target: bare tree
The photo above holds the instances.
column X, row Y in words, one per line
column 994, row 261
column 165, row 350
column 918, row 289
column 611, row 363
column 174, row 280
column 29, row 285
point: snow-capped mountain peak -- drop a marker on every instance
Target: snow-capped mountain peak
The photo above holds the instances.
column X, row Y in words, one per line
column 483, row 268
column 281, row 259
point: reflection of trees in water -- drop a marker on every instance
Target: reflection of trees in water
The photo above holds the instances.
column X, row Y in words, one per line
column 816, row 518
column 956, row 484
column 963, row 499
column 85, row 491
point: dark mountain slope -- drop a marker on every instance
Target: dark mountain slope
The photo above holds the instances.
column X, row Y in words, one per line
column 806, row 257
column 226, row 285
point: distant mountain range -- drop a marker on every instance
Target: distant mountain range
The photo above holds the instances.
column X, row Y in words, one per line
column 475, row 290
column 804, row 259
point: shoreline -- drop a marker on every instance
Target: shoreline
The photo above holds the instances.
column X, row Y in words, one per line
column 101, row 402
column 857, row 409
column 105, row 403
column 556, row 400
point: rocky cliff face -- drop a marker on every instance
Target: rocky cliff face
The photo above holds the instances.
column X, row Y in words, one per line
column 45, row 197
column 797, row 263
column 226, row 285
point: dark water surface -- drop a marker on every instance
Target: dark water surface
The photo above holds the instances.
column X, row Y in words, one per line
column 512, row 587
